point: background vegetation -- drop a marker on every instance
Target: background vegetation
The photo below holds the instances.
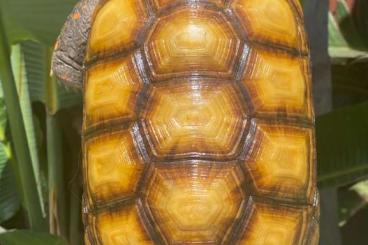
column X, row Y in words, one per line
column 40, row 182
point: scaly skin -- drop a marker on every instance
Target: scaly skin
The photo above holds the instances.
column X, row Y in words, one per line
column 70, row 48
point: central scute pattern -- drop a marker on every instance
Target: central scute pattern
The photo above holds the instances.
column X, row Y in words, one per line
column 198, row 207
column 198, row 124
column 188, row 42
column 194, row 118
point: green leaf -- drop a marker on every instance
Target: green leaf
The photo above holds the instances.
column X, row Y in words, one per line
column 349, row 84
column 9, row 199
column 361, row 189
column 25, row 237
column 342, row 143
column 19, row 70
column 351, row 200
column 37, row 19
column 2, row 116
column 361, row 17
column 24, row 164
column 345, row 38
column 336, row 39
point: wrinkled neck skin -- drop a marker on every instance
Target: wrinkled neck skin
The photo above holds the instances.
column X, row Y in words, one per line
column 71, row 45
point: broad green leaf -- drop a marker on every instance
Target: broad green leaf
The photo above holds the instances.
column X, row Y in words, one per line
column 22, row 84
column 349, row 83
column 25, row 237
column 344, row 17
column 352, row 199
column 342, row 143
column 18, row 133
column 9, row 199
column 361, row 17
column 338, row 46
column 336, row 39
column 2, row 116
column 361, row 189
column 345, row 38
column 35, row 19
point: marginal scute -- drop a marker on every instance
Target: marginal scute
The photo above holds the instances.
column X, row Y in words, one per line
column 117, row 27
column 280, row 162
column 111, row 91
column 123, row 226
column 191, row 41
column 268, row 21
column 278, row 83
column 195, row 202
column 113, row 167
column 275, row 225
column 86, row 238
column 313, row 236
column 194, row 118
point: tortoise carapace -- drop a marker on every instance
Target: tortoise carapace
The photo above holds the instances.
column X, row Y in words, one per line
column 198, row 122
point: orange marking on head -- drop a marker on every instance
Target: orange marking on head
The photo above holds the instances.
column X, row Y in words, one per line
column 76, row 16
column 65, row 77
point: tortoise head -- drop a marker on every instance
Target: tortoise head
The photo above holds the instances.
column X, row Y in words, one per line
column 70, row 48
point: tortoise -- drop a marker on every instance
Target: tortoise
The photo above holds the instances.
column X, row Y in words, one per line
column 198, row 125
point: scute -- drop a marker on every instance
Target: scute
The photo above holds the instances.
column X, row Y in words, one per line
column 121, row 227
column 111, row 91
column 202, row 118
column 269, row 21
column 280, row 162
column 195, row 202
column 275, row 225
column 189, row 41
column 313, row 236
column 278, row 83
column 114, row 16
column 113, row 166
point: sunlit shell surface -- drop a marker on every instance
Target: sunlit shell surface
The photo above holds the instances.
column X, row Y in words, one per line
column 198, row 124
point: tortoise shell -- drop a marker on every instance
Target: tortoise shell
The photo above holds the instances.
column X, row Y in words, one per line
column 198, row 124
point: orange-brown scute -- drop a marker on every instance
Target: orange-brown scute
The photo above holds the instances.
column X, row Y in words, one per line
column 111, row 91
column 275, row 225
column 280, row 161
column 189, row 118
column 121, row 227
column 113, row 166
column 269, row 21
column 199, row 207
column 116, row 27
column 278, row 83
column 189, row 40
